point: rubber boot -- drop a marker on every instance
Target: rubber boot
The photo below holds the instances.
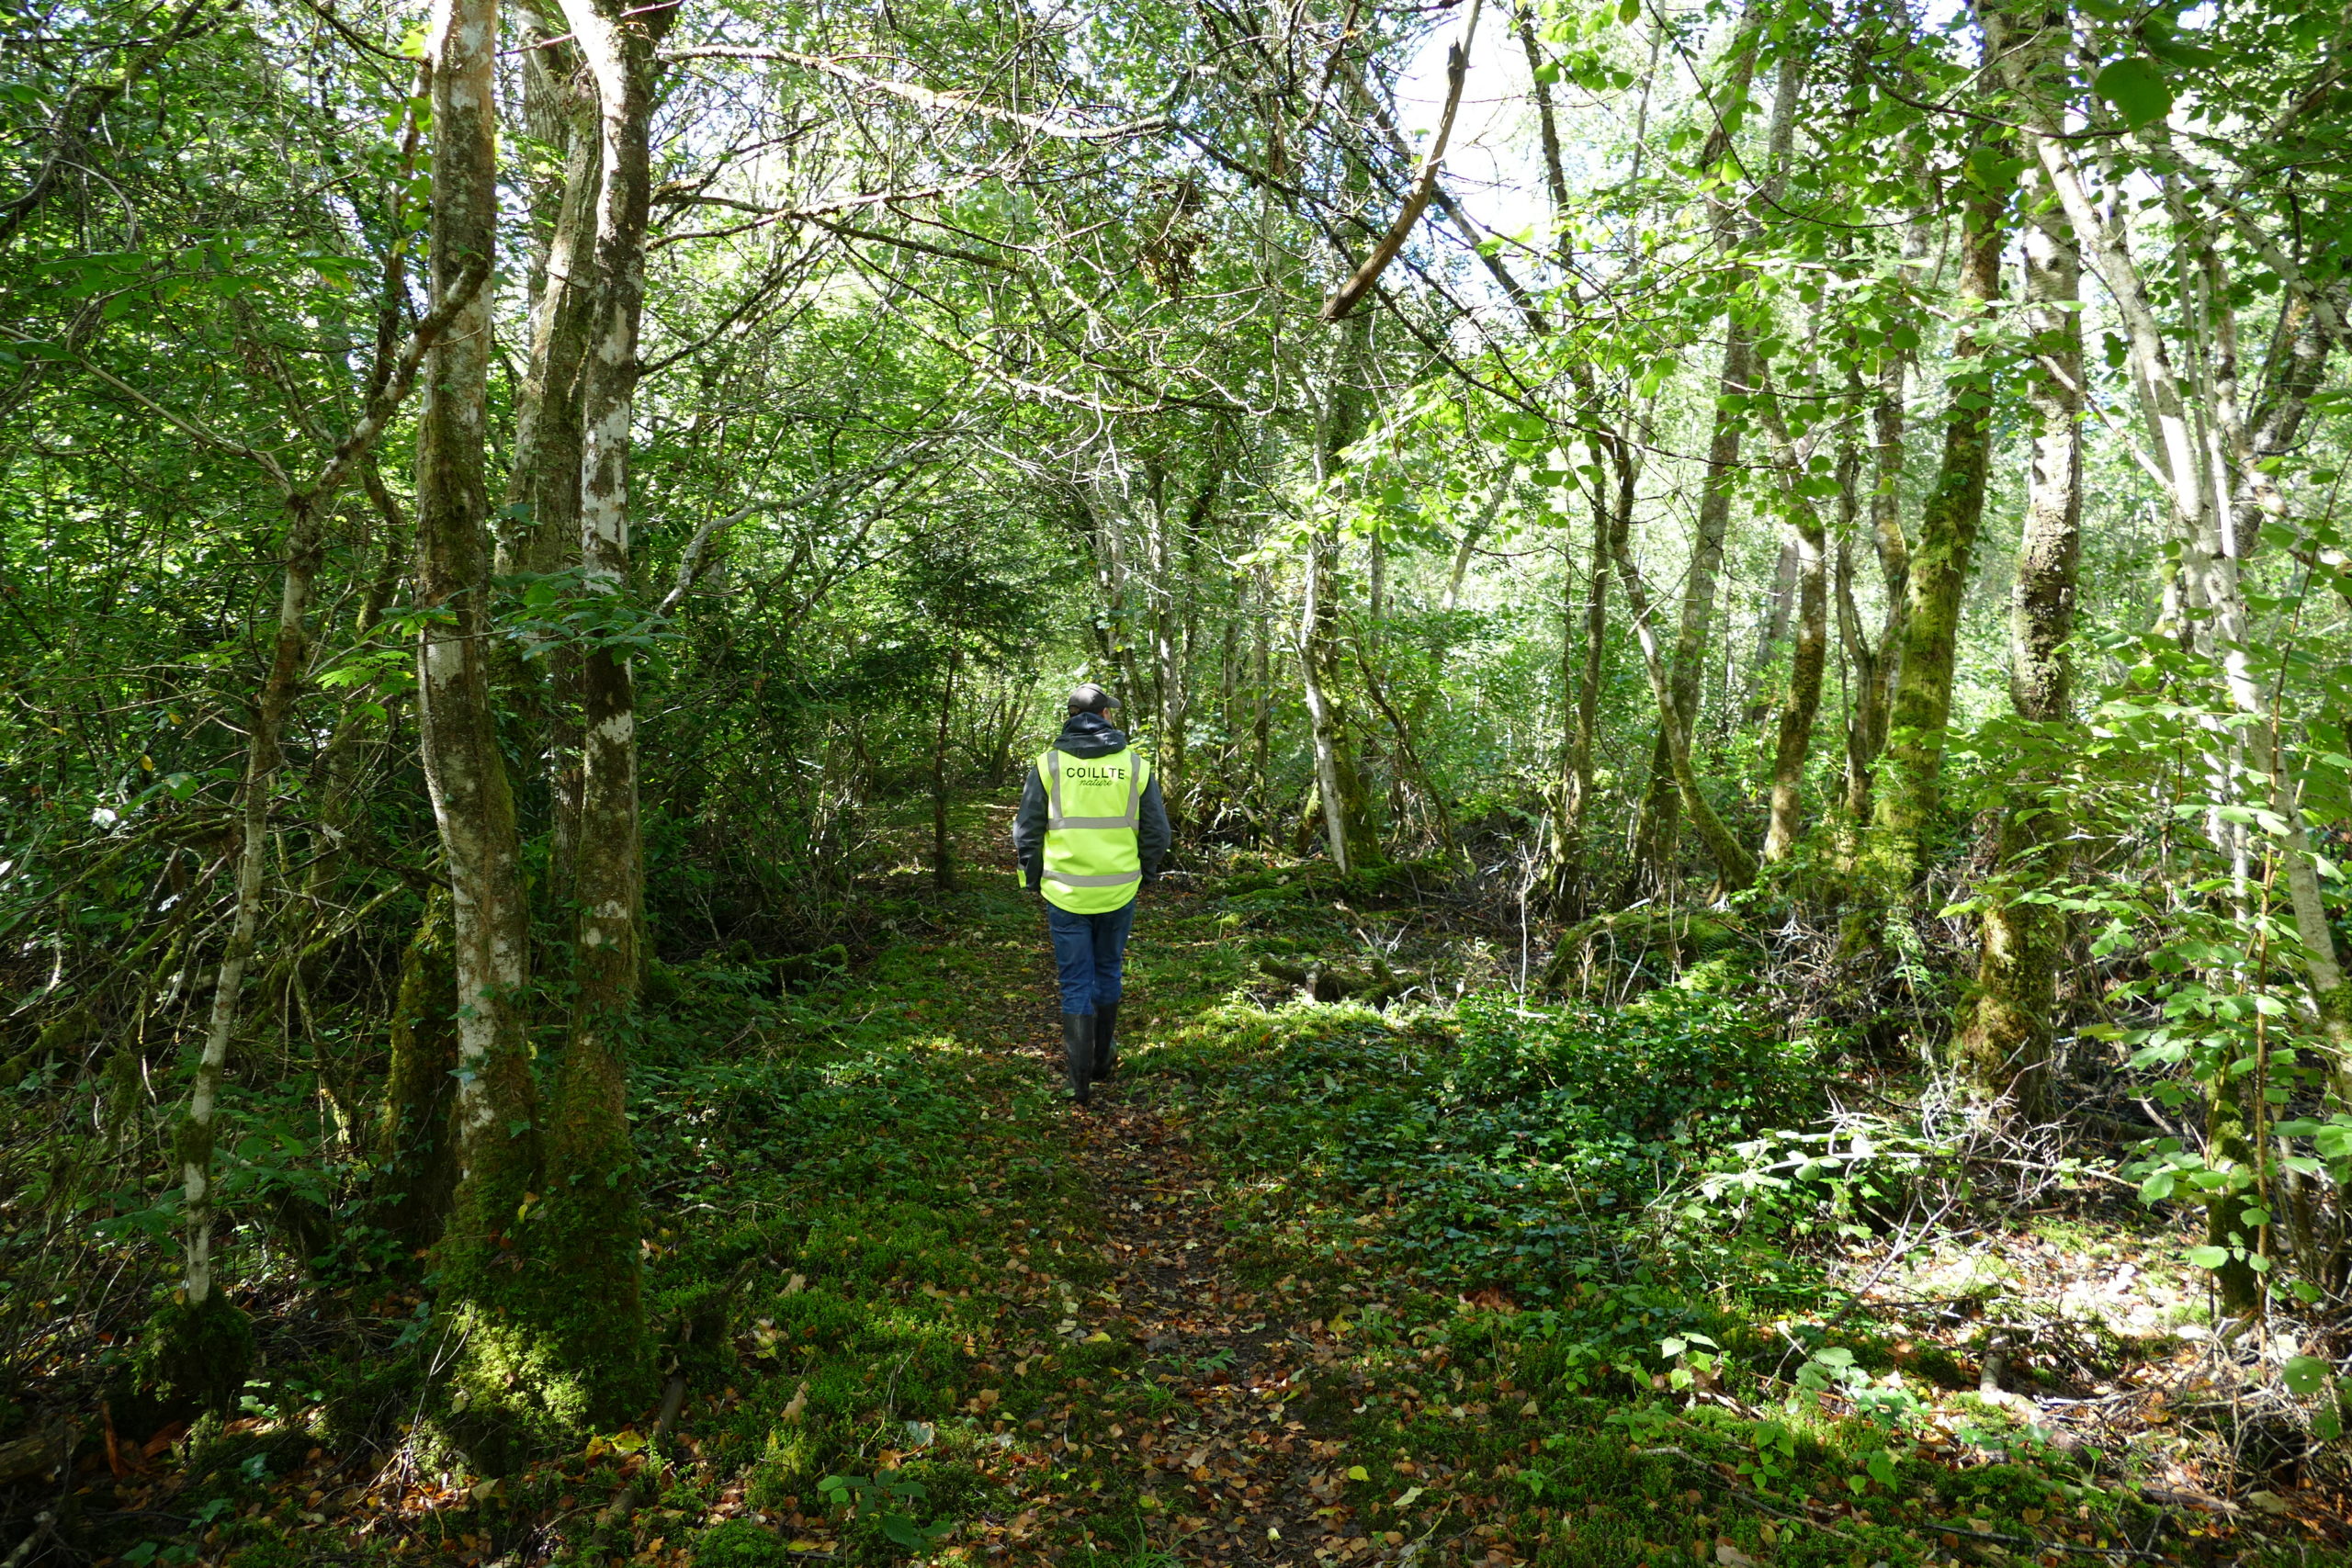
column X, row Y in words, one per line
column 1078, row 1049
column 1106, row 1044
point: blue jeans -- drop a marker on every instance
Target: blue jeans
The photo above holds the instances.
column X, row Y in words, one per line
column 1088, row 949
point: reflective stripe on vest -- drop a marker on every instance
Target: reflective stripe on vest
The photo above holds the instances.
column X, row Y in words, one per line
column 1054, row 817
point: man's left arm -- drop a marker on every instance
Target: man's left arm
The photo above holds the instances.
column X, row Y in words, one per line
column 1029, row 833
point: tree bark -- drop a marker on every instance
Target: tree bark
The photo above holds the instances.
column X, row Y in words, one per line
column 942, row 861
column 1800, row 700
column 1337, row 777
column 1781, row 607
column 497, row 1112
column 2005, row 1043
column 591, row 1174
column 1736, row 867
column 1911, row 788
column 1656, row 830
column 2210, row 567
column 415, row 1142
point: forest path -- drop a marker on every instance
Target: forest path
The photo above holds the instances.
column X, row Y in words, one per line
column 1230, row 1464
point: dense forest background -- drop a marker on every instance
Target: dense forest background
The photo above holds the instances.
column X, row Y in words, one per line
column 1792, row 547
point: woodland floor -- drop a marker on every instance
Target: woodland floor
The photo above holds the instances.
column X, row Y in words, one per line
column 1170, row 1330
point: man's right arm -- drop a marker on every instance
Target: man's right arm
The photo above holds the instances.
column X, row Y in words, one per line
column 1029, row 831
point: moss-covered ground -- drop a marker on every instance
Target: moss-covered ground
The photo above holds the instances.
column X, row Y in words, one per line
column 1458, row 1281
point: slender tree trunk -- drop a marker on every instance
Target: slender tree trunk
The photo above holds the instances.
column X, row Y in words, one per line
column 2209, row 563
column 2005, row 1043
column 1802, row 697
column 1312, row 632
column 1911, row 788
column 1656, row 830
column 541, row 522
column 943, row 865
column 1336, row 774
column 1737, row 865
column 497, row 1111
column 1781, row 606
column 207, row 1328
column 305, row 546
column 1261, row 709
column 415, row 1145
column 592, row 1184
column 1879, row 664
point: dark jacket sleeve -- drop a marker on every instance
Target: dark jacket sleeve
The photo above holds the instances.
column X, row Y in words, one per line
column 1029, row 829
column 1152, row 833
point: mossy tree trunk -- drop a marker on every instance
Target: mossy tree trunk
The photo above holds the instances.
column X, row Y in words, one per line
column 1910, row 792
column 497, row 1111
column 415, row 1142
column 592, row 1207
column 2005, row 1043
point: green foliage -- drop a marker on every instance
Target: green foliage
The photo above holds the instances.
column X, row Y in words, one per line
column 739, row 1543
column 1516, row 1147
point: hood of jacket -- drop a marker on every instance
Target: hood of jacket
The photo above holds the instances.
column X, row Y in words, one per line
column 1090, row 735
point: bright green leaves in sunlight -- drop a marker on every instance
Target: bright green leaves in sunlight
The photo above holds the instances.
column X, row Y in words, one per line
column 2136, row 87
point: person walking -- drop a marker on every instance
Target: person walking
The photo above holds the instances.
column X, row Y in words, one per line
column 1091, row 833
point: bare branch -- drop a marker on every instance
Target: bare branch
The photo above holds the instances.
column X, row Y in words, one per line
column 953, row 103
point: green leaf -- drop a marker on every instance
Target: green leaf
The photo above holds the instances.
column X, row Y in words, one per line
column 2137, row 88
column 2304, row 1374
column 2208, row 1256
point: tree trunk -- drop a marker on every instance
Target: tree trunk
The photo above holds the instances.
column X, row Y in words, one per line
column 1656, row 830
column 1802, row 699
column 305, row 547
column 593, row 1216
column 416, row 1143
column 1262, row 708
column 942, row 864
column 497, row 1110
column 1736, row 867
column 1336, row 774
column 197, row 1319
column 1911, row 788
column 541, row 520
column 2005, row 1043
column 1781, row 606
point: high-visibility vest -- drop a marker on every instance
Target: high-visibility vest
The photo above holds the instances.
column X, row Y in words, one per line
column 1093, row 807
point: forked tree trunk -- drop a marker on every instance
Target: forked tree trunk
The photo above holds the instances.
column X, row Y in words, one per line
column 1878, row 664
column 1910, row 789
column 592, row 1161
column 2211, row 566
column 2005, row 1043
